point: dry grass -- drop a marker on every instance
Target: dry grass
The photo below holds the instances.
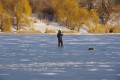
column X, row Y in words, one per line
column 28, row 31
column 8, row 32
column 116, row 29
column 70, row 31
column 50, row 31
column 105, row 29
column 100, row 29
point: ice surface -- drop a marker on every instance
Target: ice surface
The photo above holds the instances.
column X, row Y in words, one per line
column 37, row 57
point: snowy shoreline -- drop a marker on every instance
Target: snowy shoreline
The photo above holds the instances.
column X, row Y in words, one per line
column 63, row 33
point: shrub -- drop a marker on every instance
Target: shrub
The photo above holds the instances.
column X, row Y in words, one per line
column 70, row 31
column 116, row 29
column 105, row 29
column 49, row 31
column 28, row 31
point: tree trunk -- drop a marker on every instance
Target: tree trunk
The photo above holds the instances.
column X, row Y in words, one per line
column 17, row 24
column 1, row 26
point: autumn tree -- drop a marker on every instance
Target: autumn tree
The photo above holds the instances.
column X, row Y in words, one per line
column 106, row 9
column 22, row 10
column 66, row 14
column 74, row 13
column 1, row 11
column 14, row 11
column 5, row 17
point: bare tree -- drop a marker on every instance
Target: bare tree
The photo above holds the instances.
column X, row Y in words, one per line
column 106, row 9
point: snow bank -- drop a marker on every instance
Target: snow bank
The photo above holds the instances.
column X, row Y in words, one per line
column 84, row 29
column 115, row 20
column 42, row 26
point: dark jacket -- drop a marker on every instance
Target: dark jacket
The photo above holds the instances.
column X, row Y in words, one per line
column 59, row 36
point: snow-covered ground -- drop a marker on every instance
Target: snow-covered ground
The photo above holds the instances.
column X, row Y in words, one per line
column 115, row 20
column 42, row 25
column 37, row 57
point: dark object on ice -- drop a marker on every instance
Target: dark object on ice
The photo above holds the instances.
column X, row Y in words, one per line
column 90, row 48
column 59, row 36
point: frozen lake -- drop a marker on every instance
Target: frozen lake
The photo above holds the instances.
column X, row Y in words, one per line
column 37, row 57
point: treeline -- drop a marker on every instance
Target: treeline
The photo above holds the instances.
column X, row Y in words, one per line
column 74, row 13
column 14, row 12
column 68, row 12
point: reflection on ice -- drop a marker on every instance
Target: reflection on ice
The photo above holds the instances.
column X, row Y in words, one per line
column 50, row 74
column 92, row 69
column 4, row 74
column 89, row 65
column 56, row 67
column 24, row 60
column 100, row 43
column 110, row 70
column 118, row 74
column 104, row 79
column 107, row 66
column 58, row 71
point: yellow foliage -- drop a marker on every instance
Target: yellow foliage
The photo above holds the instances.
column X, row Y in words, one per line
column 49, row 31
column 100, row 29
column 22, row 11
column 67, row 11
column 6, row 22
column 27, row 7
column 70, row 13
column 83, row 13
column 22, row 7
column 5, row 19
column 0, row 7
column 116, row 29
column 105, row 29
column 14, row 9
column 29, row 31
column 70, row 31
column 94, row 17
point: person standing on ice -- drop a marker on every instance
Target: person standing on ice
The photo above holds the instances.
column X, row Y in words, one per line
column 59, row 36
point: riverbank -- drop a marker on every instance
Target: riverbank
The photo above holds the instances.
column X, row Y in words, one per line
column 63, row 33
